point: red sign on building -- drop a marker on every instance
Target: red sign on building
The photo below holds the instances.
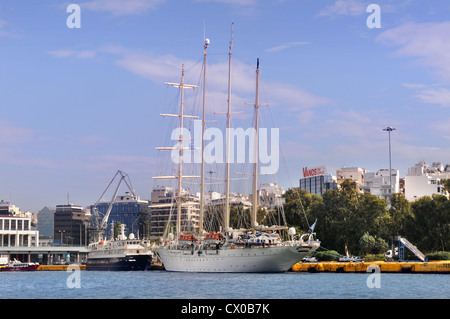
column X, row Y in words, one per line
column 315, row 171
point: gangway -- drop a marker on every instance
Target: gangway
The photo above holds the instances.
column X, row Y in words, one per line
column 406, row 243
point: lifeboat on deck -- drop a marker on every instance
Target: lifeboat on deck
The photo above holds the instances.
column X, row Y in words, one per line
column 214, row 239
column 187, row 239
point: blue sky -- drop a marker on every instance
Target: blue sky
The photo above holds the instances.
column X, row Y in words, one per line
column 76, row 105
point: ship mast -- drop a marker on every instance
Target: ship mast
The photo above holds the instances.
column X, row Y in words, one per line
column 202, row 183
column 180, row 146
column 226, row 217
column 255, row 158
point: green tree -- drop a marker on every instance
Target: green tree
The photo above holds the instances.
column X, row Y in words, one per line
column 401, row 215
column 335, row 217
column 298, row 204
column 367, row 243
column 446, row 184
column 381, row 246
column 431, row 223
column 117, row 229
column 345, row 215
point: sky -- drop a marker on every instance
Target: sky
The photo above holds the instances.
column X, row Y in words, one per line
column 79, row 104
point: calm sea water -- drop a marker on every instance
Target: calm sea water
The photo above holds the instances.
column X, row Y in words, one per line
column 173, row 285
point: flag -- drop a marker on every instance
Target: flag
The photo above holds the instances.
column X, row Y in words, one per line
column 311, row 229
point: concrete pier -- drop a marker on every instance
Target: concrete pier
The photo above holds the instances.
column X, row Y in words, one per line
column 439, row 267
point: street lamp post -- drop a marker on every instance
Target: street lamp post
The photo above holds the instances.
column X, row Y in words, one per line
column 61, row 231
column 389, row 129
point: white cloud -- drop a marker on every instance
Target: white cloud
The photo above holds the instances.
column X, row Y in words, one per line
column 239, row 3
column 11, row 134
column 2, row 24
column 3, row 32
column 92, row 139
column 414, row 85
column 67, row 53
column 435, row 96
column 430, row 94
column 305, row 117
column 122, row 7
column 167, row 67
column 12, row 141
column 285, row 46
column 344, row 7
column 426, row 41
column 441, row 128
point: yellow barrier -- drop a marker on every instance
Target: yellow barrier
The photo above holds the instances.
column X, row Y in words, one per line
column 58, row 267
column 355, row 267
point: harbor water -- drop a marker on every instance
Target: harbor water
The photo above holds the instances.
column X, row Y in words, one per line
column 174, row 285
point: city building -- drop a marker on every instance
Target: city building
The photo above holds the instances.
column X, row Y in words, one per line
column 46, row 222
column 316, row 181
column 7, row 209
column 271, row 196
column 163, row 210
column 129, row 210
column 70, row 225
column 379, row 183
column 17, row 232
column 355, row 174
column 424, row 180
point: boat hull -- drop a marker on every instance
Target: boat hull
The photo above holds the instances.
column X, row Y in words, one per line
column 27, row 268
column 245, row 260
column 126, row 263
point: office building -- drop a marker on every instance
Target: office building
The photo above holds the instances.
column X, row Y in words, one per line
column 129, row 210
column 316, row 181
column 70, row 225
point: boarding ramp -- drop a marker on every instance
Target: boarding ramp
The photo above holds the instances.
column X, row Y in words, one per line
column 406, row 243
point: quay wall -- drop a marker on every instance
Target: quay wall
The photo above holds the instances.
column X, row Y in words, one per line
column 58, row 267
column 385, row 267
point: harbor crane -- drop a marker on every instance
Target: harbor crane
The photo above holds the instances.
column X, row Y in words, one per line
column 97, row 222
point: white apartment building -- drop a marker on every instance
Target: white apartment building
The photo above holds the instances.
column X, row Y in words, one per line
column 271, row 195
column 379, row 183
column 163, row 209
column 17, row 232
column 352, row 173
column 423, row 180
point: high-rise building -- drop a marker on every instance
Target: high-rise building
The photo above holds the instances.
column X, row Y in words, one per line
column 316, row 181
column 46, row 221
column 70, row 225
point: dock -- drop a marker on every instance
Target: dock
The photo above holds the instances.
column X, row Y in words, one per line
column 58, row 267
column 156, row 266
column 431, row 267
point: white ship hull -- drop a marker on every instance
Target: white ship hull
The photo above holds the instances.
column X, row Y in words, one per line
column 254, row 260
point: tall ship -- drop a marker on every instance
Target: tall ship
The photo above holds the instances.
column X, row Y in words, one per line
column 257, row 249
column 123, row 253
